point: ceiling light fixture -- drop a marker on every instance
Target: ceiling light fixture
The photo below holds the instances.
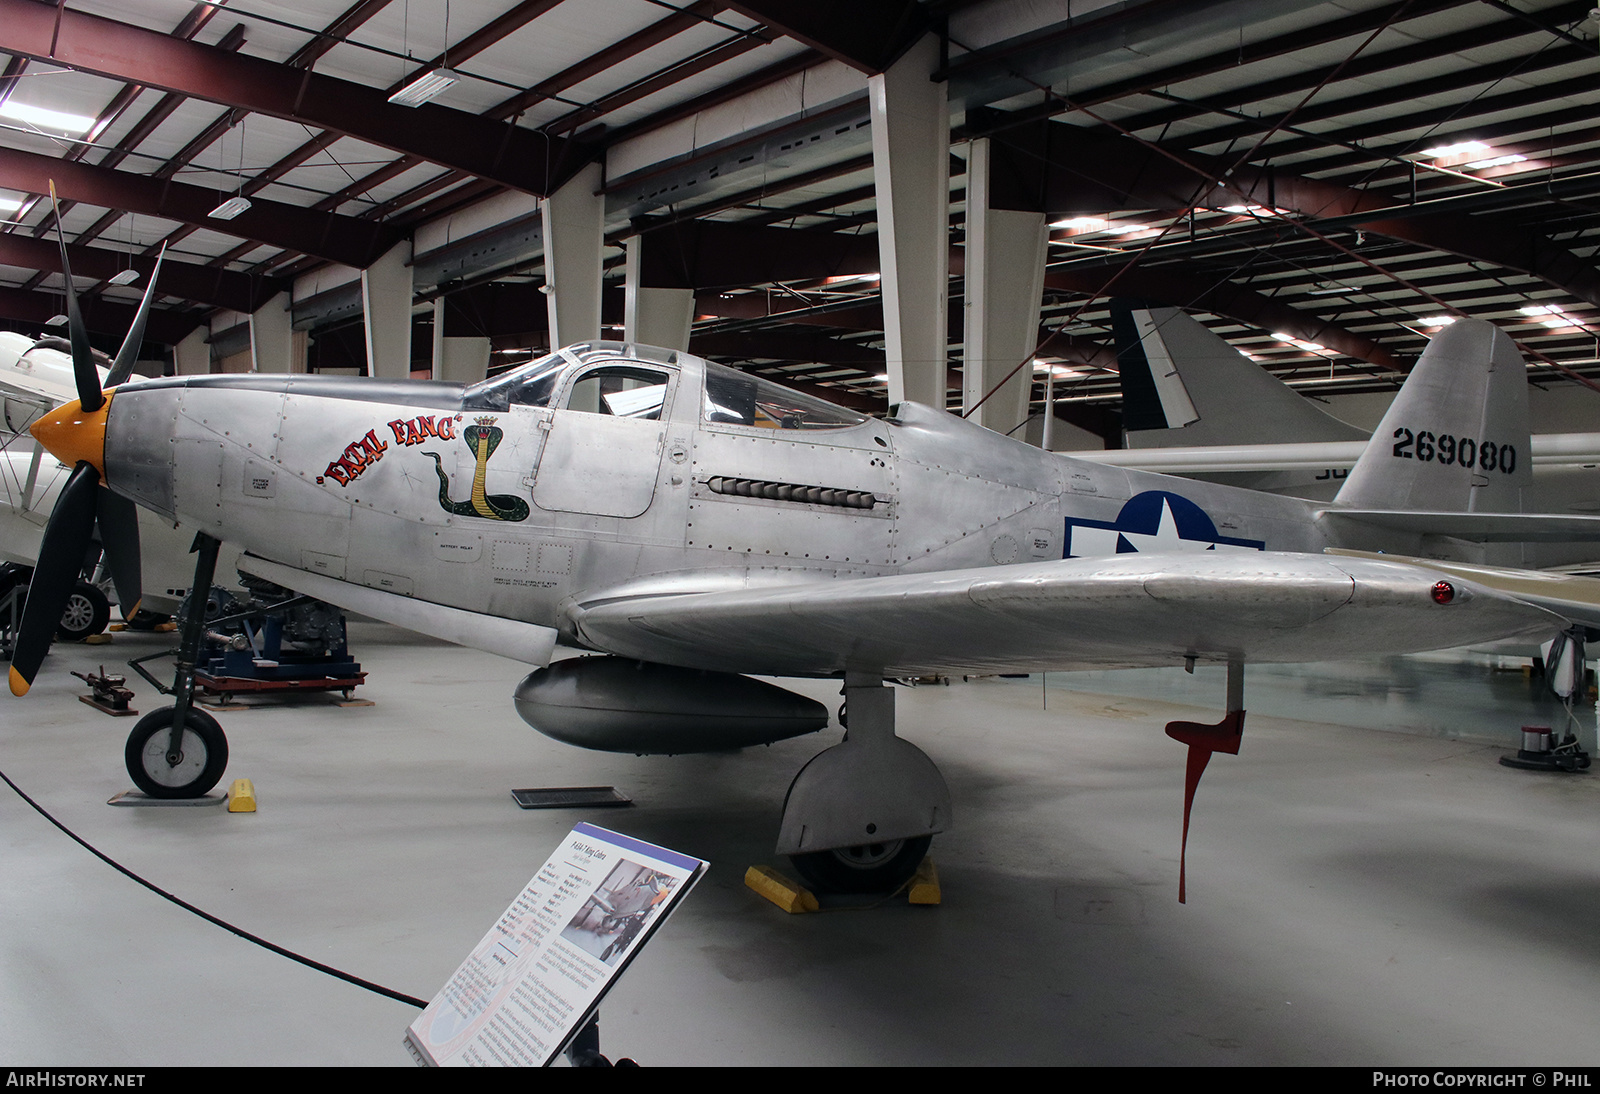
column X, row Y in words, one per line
column 1083, row 224
column 230, row 208
column 1497, row 161
column 58, row 120
column 1300, row 343
column 1554, row 315
column 425, row 88
column 126, row 277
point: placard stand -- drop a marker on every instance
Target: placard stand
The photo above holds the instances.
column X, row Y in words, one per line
column 532, row 987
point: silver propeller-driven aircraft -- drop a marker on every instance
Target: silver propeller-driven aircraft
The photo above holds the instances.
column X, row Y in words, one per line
column 692, row 524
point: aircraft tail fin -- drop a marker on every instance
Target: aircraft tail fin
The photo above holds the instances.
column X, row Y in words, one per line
column 1456, row 437
column 1183, row 385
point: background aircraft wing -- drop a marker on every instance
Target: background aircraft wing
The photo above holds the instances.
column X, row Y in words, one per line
column 1477, row 527
column 1123, row 611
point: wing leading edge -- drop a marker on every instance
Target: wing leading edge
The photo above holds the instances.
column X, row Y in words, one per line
column 1120, row 612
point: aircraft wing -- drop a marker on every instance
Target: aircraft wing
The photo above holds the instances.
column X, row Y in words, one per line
column 25, row 388
column 1124, row 611
column 1572, row 596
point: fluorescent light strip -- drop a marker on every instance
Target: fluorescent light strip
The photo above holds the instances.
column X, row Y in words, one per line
column 45, row 119
column 425, row 88
column 230, row 208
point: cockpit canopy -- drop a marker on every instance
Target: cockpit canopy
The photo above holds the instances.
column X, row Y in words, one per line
column 635, row 382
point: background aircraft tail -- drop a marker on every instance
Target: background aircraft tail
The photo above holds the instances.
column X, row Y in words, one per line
column 1456, row 437
column 1183, row 385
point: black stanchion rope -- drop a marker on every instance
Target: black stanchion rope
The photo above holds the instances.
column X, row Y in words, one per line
column 207, row 916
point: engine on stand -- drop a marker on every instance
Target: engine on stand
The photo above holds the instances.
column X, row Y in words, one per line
column 273, row 641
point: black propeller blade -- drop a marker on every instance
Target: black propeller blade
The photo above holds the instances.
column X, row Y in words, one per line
column 60, row 560
column 83, row 371
column 83, row 504
column 118, row 521
column 122, row 367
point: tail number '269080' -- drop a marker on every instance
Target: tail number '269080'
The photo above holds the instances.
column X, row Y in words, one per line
column 1485, row 455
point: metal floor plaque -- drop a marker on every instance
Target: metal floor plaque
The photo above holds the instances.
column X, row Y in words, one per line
column 557, row 797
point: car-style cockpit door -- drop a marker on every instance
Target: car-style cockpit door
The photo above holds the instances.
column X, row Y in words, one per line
column 603, row 455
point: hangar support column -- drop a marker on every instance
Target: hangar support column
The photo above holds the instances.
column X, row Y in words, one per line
column 655, row 317
column 192, row 356
column 911, row 173
column 272, row 339
column 574, row 234
column 1004, row 277
column 386, row 289
column 461, row 360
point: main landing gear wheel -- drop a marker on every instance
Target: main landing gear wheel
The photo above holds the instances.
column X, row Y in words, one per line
column 865, row 868
column 197, row 766
column 87, row 613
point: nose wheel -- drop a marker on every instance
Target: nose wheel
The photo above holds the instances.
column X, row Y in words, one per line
column 181, row 751
column 200, row 759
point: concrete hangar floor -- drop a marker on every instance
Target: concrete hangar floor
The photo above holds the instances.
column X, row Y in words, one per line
column 1357, row 895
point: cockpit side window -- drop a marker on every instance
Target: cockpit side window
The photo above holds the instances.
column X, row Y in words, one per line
column 624, row 391
column 530, row 385
column 736, row 398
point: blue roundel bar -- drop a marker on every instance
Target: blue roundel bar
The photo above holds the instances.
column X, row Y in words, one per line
column 1156, row 520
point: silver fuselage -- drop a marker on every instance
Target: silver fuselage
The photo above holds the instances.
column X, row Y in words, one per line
column 375, row 483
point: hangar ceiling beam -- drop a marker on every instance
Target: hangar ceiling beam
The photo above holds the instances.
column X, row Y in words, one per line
column 867, row 37
column 518, row 158
column 1063, row 169
column 329, row 236
column 708, row 254
column 984, row 65
column 136, row 136
column 201, row 284
column 802, row 347
column 711, row 254
column 765, row 77
column 617, row 53
column 111, row 318
column 1398, row 93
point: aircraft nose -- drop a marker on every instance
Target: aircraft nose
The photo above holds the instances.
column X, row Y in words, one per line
column 72, row 434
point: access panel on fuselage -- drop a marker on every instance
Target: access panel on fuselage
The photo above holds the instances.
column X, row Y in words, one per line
column 810, row 498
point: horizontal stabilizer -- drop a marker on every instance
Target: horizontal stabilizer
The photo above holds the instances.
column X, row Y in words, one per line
column 511, row 638
column 1127, row 610
column 1474, row 527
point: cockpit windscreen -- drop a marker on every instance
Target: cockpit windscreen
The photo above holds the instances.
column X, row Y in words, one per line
column 736, row 398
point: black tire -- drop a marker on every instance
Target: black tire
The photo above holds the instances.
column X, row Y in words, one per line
column 868, row 868
column 87, row 613
column 201, row 763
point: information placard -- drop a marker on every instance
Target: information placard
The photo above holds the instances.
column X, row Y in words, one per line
column 536, row 978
